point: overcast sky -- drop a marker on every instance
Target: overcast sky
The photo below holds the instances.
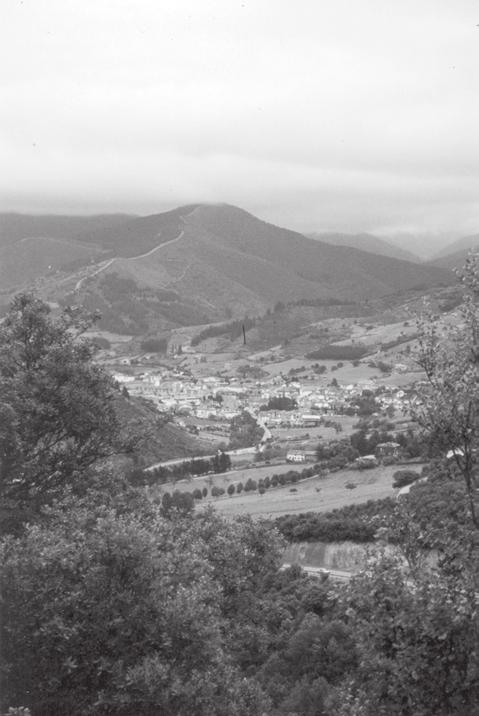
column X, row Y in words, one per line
column 340, row 115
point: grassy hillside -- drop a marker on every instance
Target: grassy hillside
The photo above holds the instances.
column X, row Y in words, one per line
column 138, row 234
column 227, row 260
column 25, row 260
column 162, row 440
column 196, row 264
column 14, row 227
column 130, row 309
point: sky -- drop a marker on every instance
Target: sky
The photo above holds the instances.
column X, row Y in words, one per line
column 319, row 115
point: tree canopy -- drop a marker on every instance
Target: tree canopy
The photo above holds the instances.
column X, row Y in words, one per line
column 448, row 404
column 57, row 412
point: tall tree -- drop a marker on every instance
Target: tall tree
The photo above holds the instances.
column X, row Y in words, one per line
column 57, row 413
column 448, row 407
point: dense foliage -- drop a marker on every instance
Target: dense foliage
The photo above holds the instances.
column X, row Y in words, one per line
column 358, row 523
column 336, row 352
column 154, row 345
column 448, row 407
column 57, row 414
column 221, row 462
column 280, row 402
column 114, row 611
column 244, row 431
column 233, row 330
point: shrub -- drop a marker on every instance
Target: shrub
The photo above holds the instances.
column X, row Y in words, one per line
column 401, row 478
column 154, row 345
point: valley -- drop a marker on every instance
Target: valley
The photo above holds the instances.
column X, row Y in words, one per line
column 207, row 313
column 264, row 385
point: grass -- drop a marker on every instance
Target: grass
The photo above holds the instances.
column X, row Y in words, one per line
column 313, row 495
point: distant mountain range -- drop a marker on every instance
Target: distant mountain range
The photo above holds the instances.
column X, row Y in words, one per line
column 367, row 242
column 455, row 254
column 192, row 265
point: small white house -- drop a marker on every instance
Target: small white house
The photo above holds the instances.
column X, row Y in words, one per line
column 295, row 457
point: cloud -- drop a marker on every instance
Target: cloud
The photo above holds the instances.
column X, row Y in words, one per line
column 328, row 115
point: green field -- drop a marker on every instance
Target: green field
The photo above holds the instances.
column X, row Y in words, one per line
column 313, row 495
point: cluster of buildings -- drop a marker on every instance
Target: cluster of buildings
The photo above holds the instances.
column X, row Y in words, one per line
column 220, row 398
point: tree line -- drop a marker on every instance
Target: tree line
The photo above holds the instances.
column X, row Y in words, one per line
column 232, row 329
column 221, row 462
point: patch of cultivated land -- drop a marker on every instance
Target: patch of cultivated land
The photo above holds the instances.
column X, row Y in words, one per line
column 313, row 495
column 297, row 436
column 348, row 373
column 371, row 484
column 379, row 333
column 284, row 366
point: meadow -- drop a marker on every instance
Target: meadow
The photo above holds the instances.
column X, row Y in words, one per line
column 316, row 494
column 319, row 494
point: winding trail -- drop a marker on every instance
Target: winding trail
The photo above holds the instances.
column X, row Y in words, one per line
column 79, row 283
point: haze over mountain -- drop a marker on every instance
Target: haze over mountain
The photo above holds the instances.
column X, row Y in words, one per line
column 455, row 254
column 424, row 244
column 366, row 242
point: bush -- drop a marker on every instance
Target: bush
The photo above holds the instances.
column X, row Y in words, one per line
column 401, row 478
column 330, row 352
column 154, row 345
column 357, row 523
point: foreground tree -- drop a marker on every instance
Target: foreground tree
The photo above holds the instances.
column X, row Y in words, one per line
column 417, row 640
column 448, row 407
column 57, row 414
column 116, row 610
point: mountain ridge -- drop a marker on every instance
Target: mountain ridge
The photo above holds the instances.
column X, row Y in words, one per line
column 366, row 242
column 212, row 262
column 454, row 255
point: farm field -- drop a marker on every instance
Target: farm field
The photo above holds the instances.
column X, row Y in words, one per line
column 314, row 495
column 379, row 333
column 348, row 373
column 297, row 436
column 284, row 366
column 318, row 433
